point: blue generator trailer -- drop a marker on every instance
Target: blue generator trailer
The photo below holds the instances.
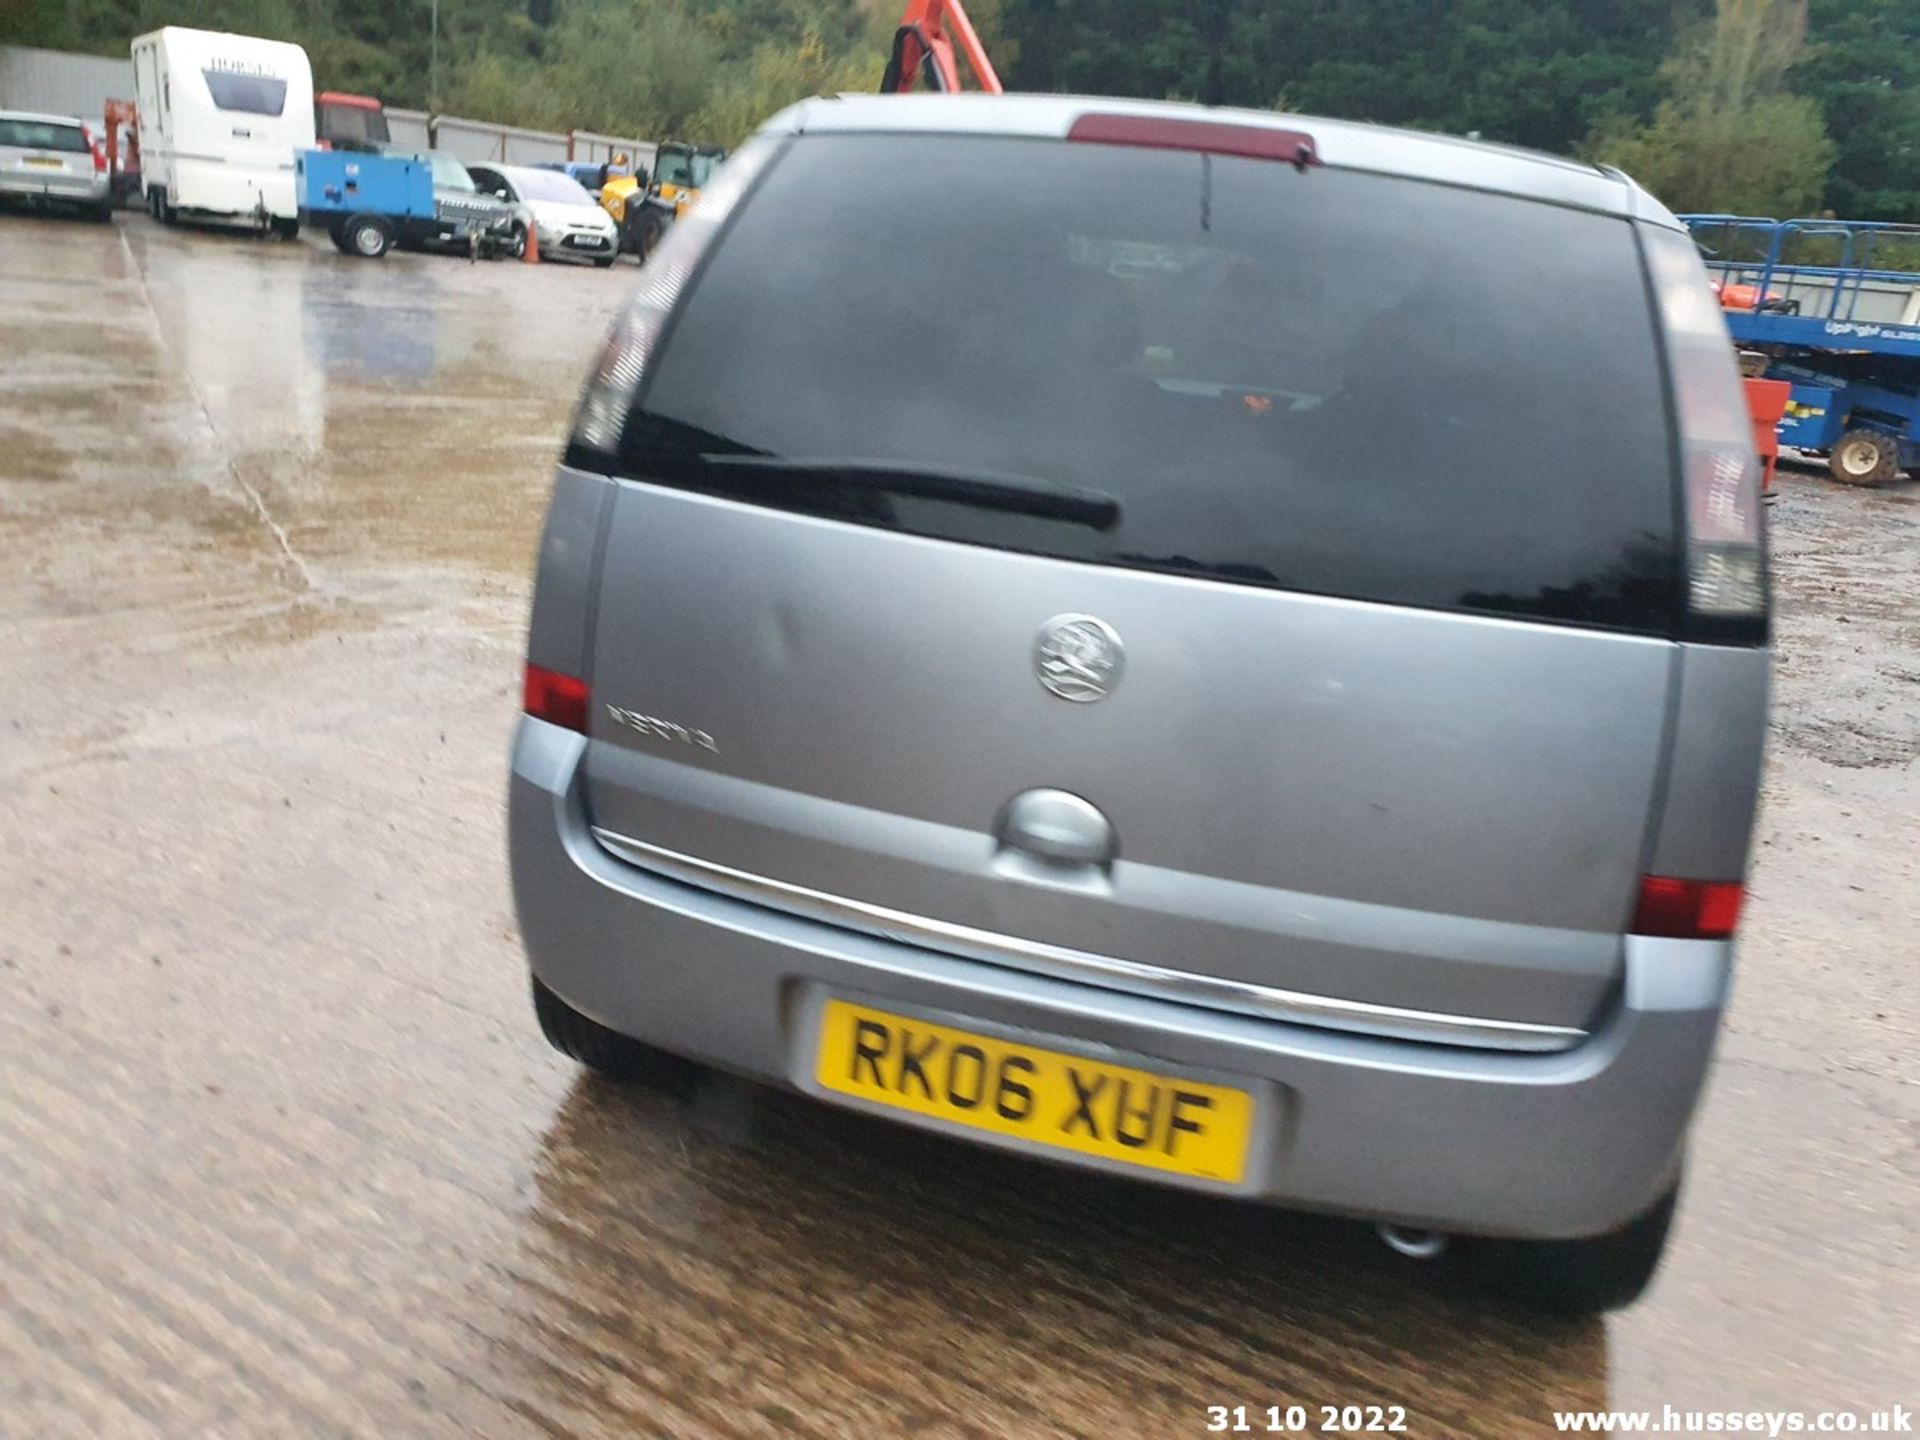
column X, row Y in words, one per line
column 1832, row 307
column 366, row 202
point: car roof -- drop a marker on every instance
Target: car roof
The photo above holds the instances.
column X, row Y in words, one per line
column 1346, row 144
column 522, row 171
column 40, row 119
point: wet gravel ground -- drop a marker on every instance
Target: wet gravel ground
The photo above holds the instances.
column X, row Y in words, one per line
column 281, row 1152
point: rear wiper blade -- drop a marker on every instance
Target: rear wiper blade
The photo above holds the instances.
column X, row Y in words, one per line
column 985, row 489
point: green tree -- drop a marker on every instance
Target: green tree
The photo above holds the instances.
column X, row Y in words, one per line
column 1865, row 74
column 1729, row 136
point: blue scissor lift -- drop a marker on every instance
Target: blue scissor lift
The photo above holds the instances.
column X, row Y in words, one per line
column 1827, row 306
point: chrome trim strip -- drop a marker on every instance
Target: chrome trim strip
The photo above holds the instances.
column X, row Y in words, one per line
column 1131, row 976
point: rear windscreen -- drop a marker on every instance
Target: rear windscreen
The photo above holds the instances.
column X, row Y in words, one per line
column 1317, row 380
column 43, row 135
column 249, row 94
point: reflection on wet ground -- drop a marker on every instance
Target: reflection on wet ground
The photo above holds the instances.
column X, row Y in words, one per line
column 281, row 1152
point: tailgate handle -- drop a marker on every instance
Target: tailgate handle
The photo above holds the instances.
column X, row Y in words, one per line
column 1056, row 826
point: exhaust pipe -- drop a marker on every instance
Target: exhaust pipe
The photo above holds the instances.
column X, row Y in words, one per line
column 1414, row 1244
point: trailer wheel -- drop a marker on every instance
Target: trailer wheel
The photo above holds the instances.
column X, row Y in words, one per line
column 1865, row 457
column 368, row 237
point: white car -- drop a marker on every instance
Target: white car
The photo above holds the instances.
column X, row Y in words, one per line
column 568, row 220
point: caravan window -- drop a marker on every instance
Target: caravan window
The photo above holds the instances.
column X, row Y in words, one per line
column 254, row 94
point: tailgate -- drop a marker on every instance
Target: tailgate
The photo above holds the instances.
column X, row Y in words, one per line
column 1398, row 807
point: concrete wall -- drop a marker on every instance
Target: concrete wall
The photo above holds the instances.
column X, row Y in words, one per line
column 58, row 83
column 410, row 129
column 476, row 141
column 480, row 141
column 593, row 149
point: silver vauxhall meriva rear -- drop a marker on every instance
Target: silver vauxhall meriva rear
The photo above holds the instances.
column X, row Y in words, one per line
column 1220, row 647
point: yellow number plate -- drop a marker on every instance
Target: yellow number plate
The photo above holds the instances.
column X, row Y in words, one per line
column 1067, row 1102
column 46, row 164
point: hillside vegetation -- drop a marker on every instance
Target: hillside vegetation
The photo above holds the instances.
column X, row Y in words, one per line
column 1768, row 105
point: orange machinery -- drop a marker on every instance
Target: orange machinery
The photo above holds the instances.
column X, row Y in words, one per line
column 923, row 50
column 122, row 118
column 1766, row 403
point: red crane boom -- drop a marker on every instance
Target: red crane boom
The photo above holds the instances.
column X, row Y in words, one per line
column 923, row 48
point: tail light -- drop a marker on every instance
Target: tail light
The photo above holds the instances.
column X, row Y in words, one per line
column 1687, row 909
column 99, row 155
column 622, row 367
column 558, row 699
column 1726, row 561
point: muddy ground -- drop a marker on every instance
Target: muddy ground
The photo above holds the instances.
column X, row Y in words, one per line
column 281, row 1152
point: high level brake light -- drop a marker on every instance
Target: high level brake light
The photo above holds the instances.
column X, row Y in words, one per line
column 1726, row 564
column 1211, row 137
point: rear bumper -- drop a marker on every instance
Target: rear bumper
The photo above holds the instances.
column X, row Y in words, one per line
column 72, row 189
column 1565, row 1144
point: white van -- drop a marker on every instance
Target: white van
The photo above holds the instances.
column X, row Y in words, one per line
column 220, row 119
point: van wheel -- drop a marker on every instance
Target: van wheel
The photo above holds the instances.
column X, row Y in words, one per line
column 368, row 237
column 617, row 1056
column 1865, row 457
column 1572, row 1277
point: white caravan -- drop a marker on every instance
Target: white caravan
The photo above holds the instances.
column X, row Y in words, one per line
column 220, row 119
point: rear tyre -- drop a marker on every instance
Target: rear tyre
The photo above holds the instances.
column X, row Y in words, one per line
column 368, row 237
column 1572, row 1277
column 101, row 214
column 1865, row 457
column 617, row 1056
column 285, row 228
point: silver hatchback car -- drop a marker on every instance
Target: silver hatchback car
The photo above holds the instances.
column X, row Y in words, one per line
column 53, row 159
column 1225, row 648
